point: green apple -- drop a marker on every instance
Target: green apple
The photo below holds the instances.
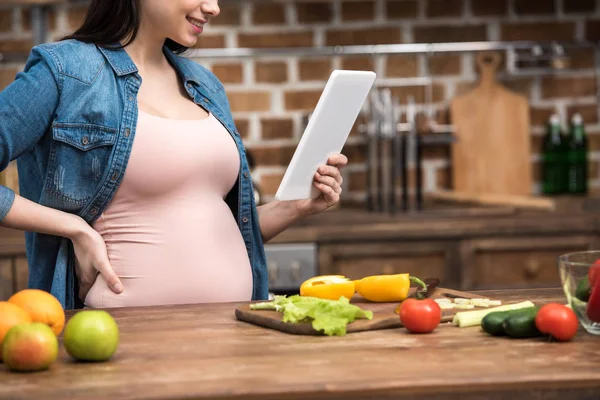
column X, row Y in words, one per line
column 91, row 335
column 30, row 347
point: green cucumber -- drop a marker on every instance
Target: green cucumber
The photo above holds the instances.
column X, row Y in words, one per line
column 522, row 324
column 583, row 290
column 492, row 323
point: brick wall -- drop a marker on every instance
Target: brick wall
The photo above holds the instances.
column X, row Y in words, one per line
column 271, row 96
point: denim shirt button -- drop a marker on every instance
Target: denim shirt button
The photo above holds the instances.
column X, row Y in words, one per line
column 115, row 176
column 245, row 220
column 127, row 132
column 206, row 100
column 246, row 175
column 94, row 211
column 130, row 98
column 85, row 140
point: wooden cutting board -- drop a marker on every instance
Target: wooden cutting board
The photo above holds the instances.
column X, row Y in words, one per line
column 384, row 316
column 492, row 152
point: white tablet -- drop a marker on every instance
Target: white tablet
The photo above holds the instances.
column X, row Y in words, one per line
column 326, row 131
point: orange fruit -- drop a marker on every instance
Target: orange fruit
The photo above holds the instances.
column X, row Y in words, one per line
column 42, row 307
column 10, row 315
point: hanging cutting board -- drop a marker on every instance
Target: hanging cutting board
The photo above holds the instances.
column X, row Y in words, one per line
column 492, row 153
column 384, row 316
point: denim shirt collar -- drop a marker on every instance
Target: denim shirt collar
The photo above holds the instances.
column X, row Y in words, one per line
column 122, row 63
column 183, row 69
column 119, row 60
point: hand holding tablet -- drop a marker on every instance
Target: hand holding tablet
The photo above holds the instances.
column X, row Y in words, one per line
column 326, row 132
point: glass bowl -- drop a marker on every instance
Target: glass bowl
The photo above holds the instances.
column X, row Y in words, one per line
column 574, row 271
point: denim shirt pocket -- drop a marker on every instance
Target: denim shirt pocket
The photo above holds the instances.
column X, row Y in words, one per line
column 79, row 157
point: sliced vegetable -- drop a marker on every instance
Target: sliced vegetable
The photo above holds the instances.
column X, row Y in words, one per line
column 557, row 321
column 330, row 287
column 485, row 302
column 473, row 318
column 464, row 306
column 386, row 288
column 328, row 316
column 462, row 303
column 445, row 305
column 420, row 315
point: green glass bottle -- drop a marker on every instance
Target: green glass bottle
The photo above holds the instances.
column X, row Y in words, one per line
column 577, row 157
column 554, row 167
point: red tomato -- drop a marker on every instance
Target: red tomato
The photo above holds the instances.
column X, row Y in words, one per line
column 558, row 321
column 420, row 316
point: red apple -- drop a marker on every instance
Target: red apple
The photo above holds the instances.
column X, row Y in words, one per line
column 30, row 347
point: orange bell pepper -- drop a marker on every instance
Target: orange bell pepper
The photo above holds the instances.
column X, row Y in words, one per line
column 330, row 287
column 386, row 288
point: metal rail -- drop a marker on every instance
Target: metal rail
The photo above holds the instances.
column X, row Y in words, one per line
column 412, row 48
column 39, row 23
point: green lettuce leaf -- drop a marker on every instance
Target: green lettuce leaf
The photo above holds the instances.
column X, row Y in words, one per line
column 329, row 316
column 330, row 325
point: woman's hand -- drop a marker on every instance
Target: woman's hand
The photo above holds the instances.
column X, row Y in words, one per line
column 276, row 216
column 328, row 180
column 91, row 258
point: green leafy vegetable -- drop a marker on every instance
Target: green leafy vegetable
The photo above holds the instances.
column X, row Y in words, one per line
column 329, row 316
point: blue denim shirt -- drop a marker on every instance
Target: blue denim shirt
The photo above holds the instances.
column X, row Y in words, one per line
column 69, row 119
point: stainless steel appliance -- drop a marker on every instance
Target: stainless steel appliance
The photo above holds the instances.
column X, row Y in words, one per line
column 289, row 265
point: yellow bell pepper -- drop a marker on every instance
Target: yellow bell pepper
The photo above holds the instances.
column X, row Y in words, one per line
column 386, row 288
column 330, row 287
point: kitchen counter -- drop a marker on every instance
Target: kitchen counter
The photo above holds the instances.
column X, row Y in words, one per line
column 437, row 220
column 202, row 351
column 445, row 220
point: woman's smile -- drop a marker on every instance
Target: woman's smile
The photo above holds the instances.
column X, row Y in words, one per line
column 197, row 25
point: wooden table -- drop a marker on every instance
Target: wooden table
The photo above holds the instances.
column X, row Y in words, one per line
column 202, row 351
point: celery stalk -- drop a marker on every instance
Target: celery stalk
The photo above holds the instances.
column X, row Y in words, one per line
column 473, row 318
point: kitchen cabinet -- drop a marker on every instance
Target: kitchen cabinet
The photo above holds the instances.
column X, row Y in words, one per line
column 462, row 263
column 424, row 259
column 519, row 262
column 6, row 279
column 13, row 263
column 13, row 275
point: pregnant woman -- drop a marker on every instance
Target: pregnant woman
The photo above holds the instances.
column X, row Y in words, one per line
column 134, row 184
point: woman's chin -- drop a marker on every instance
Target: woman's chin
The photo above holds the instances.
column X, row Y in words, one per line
column 187, row 41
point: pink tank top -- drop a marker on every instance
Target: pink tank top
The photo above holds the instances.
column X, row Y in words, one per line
column 171, row 238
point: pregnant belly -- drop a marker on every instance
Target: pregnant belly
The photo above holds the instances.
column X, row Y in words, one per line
column 185, row 257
